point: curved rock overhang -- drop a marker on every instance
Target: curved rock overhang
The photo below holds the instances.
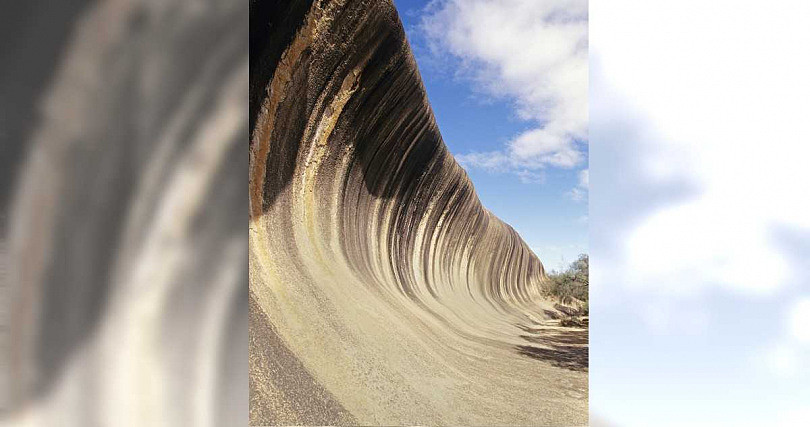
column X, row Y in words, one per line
column 371, row 256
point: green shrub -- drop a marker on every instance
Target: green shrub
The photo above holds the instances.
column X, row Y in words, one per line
column 570, row 284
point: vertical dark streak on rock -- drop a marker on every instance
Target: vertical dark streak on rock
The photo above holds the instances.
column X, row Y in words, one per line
column 273, row 24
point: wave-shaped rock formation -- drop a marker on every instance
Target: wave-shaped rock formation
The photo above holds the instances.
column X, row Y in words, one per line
column 123, row 246
column 381, row 290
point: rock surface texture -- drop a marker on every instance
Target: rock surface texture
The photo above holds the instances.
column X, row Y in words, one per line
column 123, row 249
column 381, row 291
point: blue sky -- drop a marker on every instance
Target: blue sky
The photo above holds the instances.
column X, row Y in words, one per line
column 536, row 200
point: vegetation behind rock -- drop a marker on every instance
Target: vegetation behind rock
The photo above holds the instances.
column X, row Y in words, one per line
column 570, row 286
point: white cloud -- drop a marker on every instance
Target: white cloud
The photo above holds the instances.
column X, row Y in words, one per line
column 724, row 111
column 492, row 161
column 530, row 177
column 685, row 247
column 497, row 162
column 584, row 178
column 576, row 194
column 534, row 53
column 580, row 192
column 540, row 147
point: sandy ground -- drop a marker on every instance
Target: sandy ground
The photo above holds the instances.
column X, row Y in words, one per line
column 386, row 361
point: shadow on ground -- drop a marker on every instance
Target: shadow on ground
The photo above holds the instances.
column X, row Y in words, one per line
column 562, row 348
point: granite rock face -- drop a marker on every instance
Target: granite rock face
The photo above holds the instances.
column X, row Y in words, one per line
column 123, row 266
column 377, row 278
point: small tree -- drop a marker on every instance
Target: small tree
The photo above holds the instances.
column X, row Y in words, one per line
column 571, row 283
